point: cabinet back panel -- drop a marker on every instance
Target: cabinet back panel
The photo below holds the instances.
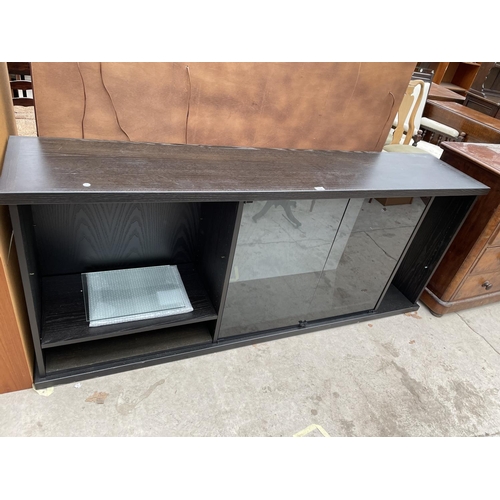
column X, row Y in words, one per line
column 83, row 238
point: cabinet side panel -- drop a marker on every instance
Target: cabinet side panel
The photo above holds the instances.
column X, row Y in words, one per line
column 217, row 229
column 433, row 238
column 16, row 346
column 22, row 223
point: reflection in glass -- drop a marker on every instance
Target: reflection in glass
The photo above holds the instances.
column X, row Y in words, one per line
column 305, row 260
column 369, row 244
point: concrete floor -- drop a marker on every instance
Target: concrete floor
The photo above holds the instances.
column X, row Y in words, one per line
column 409, row 375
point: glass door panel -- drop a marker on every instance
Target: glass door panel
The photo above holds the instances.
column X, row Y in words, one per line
column 309, row 260
column 281, row 252
column 369, row 244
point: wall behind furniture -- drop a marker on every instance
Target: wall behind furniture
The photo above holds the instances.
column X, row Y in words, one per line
column 339, row 106
column 16, row 348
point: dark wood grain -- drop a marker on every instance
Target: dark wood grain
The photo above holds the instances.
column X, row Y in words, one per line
column 23, row 101
column 217, row 228
column 84, row 238
column 22, row 223
column 478, row 126
column 19, row 68
column 122, row 349
column 64, row 319
column 435, row 234
column 38, row 170
column 21, row 85
column 82, row 361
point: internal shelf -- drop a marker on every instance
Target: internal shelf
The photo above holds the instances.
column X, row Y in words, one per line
column 63, row 311
column 126, row 350
column 453, row 87
column 68, row 363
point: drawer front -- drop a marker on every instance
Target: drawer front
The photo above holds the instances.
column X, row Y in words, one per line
column 484, row 107
column 489, row 262
column 495, row 242
column 478, row 285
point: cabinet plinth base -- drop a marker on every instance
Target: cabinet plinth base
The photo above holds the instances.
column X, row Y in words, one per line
column 440, row 307
column 394, row 303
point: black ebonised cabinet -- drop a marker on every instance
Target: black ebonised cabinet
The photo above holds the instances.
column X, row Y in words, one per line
column 269, row 243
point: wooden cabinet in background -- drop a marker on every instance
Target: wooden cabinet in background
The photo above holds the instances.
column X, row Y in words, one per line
column 484, row 93
column 456, row 76
column 469, row 274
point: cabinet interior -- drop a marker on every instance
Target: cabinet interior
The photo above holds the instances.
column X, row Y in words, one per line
column 67, row 240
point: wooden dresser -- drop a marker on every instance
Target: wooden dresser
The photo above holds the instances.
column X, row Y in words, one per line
column 489, row 105
column 469, row 274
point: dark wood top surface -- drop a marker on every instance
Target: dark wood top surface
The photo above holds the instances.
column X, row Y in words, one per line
column 439, row 93
column 49, row 170
column 485, row 155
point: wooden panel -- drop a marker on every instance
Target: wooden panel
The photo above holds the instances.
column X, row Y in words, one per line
column 465, row 74
column 123, row 349
column 435, row 234
column 7, row 119
column 41, row 170
column 489, row 106
column 439, row 307
column 21, row 85
column 489, row 262
column 475, row 285
column 476, row 230
column 217, row 227
column 82, row 238
column 439, row 70
column 495, row 241
column 22, row 223
column 439, row 93
column 64, row 319
column 478, row 126
column 19, row 68
column 482, row 74
column 23, row 101
column 16, row 351
column 345, row 106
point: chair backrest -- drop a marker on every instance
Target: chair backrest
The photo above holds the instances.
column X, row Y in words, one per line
column 408, row 111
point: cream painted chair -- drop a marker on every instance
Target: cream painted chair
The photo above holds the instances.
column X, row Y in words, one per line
column 414, row 133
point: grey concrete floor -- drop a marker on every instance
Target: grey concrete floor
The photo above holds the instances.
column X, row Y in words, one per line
column 408, row 375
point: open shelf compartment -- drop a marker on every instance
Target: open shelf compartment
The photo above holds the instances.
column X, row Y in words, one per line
column 86, row 356
column 64, row 321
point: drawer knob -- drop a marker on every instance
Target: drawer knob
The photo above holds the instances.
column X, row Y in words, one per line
column 487, row 285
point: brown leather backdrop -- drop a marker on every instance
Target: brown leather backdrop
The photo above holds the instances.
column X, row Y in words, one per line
column 345, row 106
